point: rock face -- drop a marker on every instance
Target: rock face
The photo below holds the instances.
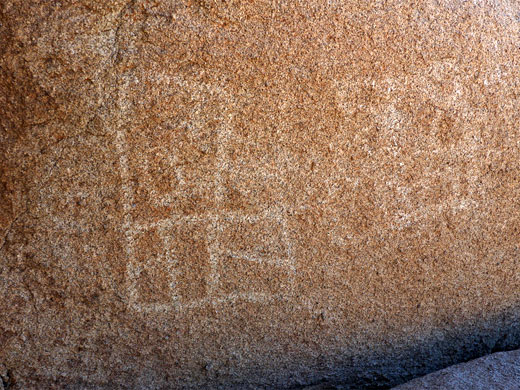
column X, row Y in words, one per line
column 497, row 371
column 256, row 194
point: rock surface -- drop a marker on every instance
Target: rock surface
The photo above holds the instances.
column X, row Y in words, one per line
column 210, row 194
column 500, row 371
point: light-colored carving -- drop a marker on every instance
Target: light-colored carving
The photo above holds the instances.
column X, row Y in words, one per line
column 215, row 221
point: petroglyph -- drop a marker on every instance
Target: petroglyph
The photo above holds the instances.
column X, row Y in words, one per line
column 186, row 258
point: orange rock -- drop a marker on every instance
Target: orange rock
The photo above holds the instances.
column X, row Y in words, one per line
column 205, row 194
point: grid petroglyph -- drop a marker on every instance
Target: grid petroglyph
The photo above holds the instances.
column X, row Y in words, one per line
column 188, row 255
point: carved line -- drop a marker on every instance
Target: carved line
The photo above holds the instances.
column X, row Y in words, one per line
column 176, row 219
column 122, row 148
column 229, row 298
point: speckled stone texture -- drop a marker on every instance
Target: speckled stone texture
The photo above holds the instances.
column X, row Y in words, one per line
column 500, row 371
column 256, row 194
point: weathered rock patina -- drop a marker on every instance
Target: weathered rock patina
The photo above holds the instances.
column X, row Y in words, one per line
column 256, row 194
